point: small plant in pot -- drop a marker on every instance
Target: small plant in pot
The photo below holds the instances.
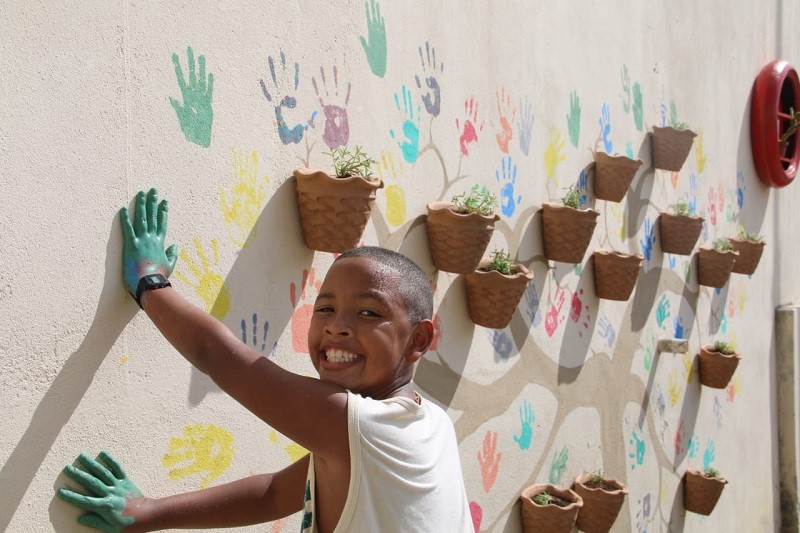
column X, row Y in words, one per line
column 671, row 146
column 602, row 499
column 717, row 363
column 613, row 175
column 791, row 129
column 335, row 208
column 714, row 265
column 750, row 247
column 567, row 229
column 459, row 231
column 679, row 230
column 549, row 509
column 615, row 274
column 495, row 288
column 702, row 489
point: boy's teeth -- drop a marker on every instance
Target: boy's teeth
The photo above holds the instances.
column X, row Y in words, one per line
column 340, row 356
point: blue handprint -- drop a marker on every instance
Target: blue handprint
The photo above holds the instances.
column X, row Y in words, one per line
column 709, row 455
column 663, row 109
column 583, row 185
column 740, row 189
column 637, row 455
column 607, row 330
column 672, row 261
column 605, row 128
column 255, row 340
column 532, row 305
column 508, row 178
column 294, row 134
column 500, row 342
column 525, row 125
column 526, row 418
column 648, row 239
column 433, row 98
column 409, row 145
column 662, row 311
column 678, row 323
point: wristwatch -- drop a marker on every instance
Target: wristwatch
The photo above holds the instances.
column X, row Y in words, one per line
column 148, row 283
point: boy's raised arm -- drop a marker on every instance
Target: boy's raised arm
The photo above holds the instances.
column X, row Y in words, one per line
column 307, row 410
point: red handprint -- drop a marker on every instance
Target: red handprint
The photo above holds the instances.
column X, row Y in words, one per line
column 469, row 134
column 712, row 207
column 489, row 459
column 551, row 318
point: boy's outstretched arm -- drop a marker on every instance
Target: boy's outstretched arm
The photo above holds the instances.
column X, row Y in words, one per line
column 307, row 410
column 115, row 503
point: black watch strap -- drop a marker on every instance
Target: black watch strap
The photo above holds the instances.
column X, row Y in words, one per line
column 148, row 283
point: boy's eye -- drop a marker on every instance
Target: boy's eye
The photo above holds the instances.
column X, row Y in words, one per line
column 369, row 313
column 323, row 309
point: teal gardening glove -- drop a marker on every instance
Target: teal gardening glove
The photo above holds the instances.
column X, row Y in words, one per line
column 143, row 241
column 109, row 489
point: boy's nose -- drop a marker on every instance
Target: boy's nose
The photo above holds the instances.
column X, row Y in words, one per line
column 338, row 326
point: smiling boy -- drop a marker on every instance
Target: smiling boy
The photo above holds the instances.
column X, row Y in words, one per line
column 382, row 458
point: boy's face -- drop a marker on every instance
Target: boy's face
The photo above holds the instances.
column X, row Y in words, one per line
column 360, row 336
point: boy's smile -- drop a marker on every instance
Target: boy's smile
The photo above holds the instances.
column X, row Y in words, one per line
column 360, row 336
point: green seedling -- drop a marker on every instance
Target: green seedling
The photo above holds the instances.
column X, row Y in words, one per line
column 681, row 209
column 724, row 347
column 711, row 472
column 479, row 200
column 543, row 498
column 722, row 244
column 348, row 163
column 572, row 198
column 750, row 237
column 501, row 261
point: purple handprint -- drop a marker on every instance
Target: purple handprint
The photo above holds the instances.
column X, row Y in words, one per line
column 532, row 305
column 607, row 330
column 433, row 98
column 501, row 342
column 605, row 128
column 337, row 128
column 525, row 125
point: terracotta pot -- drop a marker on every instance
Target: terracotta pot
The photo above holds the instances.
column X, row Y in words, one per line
column 671, row 147
column 613, row 175
column 493, row 297
column 333, row 211
column 457, row 241
column 749, row 255
column 600, row 505
column 549, row 518
column 567, row 232
column 615, row 274
column 714, row 267
column 679, row 233
column 701, row 493
column 716, row 369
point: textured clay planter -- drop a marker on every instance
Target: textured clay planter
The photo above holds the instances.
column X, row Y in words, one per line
column 493, row 297
column 749, row 255
column 716, row 369
column 333, row 211
column 714, row 267
column 701, row 493
column 615, row 274
column 679, row 233
column 613, row 175
column 549, row 518
column 671, row 147
column 601, row 505
column 457, row 241
column 567, row 232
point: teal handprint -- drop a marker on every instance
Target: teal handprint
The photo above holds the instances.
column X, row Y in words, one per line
column 558, row 466
column 710, row 454
column 574, row 118
column 526, row 418
column 626, row 89
column 662, row 311
column 694, row 444
column 410, row 144
column 638, row 107
column 375, row 44
column 637, row 455
column 195, row 114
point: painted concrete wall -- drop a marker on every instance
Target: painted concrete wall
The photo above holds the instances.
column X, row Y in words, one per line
column 515, row 96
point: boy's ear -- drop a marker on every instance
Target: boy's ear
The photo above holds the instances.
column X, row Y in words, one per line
column 421, row 338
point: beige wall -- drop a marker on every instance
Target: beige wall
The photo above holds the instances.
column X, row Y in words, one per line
column 87, row 121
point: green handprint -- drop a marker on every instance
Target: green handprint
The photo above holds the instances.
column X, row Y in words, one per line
column 626, row 89
column 195, row 115
column 574, row 118
column 143, row 241
column 638, row 107
column 109, row 489
column 662, row 311
column 375, row 44
column 558, row 466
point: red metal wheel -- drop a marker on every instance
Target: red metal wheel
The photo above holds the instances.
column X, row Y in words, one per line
column 776, row 92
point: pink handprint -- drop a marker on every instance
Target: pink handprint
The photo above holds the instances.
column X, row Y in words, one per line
column 504, row 109
column 680, row 436
column 437, row 332
column 489, row 459
column 337, row 128
column 577, row 308
column 469, row 135
column 712, row 207
column 301, row 317
column 551, row 318
column 476, row 511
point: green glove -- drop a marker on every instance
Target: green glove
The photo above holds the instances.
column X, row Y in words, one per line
column 143, row 241
column 109, row 488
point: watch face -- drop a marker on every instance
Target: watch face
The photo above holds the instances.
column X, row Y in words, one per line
column 154, row 278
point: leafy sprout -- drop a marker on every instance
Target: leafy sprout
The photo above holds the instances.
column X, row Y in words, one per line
column 750, row 237
column 348, row 163
column 572, row 198
column 501, row 261
column 543, row 498
column 595, row 478
column 479, row 200
column 722, row 244
column 681, row 208
column 724, row 347
column 711, row 472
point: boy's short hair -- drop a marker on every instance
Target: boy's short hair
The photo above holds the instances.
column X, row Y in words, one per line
column 414, row 287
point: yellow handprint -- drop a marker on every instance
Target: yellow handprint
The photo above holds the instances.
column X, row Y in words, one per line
column 246, row 197
column 688, row 366
column 208, row 449
column 210, row 286
column 674, row 388
column 621, row 216
column 699, row 155
column 292, row 449
column 553, row 154
column 395, row 195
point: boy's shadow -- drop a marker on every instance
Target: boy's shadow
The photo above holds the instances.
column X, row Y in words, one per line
column 71, row 383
